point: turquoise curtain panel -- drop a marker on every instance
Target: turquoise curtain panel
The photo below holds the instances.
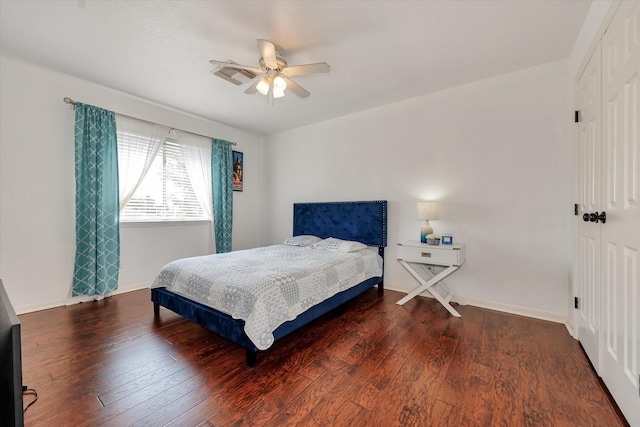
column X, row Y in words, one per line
column 97, row 259
column 222, row 187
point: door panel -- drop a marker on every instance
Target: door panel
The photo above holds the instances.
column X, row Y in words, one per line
column 588, row 233
column 620, row 364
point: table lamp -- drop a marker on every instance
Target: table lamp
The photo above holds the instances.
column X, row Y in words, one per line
column 426, row 211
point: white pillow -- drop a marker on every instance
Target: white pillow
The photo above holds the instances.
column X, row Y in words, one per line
column 303, row 240
column 337, row 245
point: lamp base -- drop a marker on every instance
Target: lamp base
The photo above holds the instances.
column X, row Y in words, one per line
column 425, row 231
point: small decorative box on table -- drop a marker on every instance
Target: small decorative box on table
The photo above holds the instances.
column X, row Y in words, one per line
column 416, row 257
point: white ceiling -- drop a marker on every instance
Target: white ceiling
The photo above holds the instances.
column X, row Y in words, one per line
column 379, row 51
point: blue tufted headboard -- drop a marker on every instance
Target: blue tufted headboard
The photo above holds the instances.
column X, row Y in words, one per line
column 365, row 222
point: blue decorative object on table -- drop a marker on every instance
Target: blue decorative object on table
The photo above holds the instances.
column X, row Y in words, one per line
column 424, row 232
column 446, row 239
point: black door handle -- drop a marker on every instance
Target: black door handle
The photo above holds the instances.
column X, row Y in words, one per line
column 596, row 217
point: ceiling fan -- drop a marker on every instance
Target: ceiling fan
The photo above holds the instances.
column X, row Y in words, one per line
column 274, row 72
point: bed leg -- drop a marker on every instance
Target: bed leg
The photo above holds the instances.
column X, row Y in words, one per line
column 380, row 288
column 156, row 309
column 251, row 357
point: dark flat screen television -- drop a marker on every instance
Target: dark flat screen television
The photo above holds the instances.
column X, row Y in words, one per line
column 10, row 364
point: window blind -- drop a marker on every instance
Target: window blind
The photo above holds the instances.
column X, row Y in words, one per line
column 165, row 193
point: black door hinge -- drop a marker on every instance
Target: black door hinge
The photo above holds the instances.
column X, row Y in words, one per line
column 575, row 303
column 575, row 209
column 577, row 116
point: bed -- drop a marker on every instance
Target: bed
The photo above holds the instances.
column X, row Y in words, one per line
column 360, row 221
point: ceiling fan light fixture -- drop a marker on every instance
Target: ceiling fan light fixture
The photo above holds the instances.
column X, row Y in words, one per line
column 274, row 75
column 263, row 86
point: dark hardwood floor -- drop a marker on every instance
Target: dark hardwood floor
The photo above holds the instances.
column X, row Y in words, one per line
column 113, row 363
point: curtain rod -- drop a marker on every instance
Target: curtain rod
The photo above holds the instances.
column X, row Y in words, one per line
column 71, row 102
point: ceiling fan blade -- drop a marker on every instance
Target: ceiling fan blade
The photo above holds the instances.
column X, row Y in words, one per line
column 268, row 51
column 296, row 88
column 231, row 64
column 254, row 86
column 300, row 70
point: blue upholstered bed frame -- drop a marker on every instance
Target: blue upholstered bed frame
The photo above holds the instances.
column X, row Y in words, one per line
column 364, row 222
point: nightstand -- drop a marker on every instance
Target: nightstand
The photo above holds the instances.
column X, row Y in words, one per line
column 418, row 257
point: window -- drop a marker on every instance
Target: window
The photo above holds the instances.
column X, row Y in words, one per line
column 166, row 192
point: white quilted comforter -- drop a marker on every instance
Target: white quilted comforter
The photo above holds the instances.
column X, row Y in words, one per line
column 268, row 286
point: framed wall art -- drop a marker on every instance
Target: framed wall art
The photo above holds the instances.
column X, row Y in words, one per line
column 238, row 168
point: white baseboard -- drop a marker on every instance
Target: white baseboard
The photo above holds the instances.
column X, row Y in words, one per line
column 514, row 309
column 570, row 329
column 505, row 308
column 32, row 308
column 79, row 299
column 87, row 298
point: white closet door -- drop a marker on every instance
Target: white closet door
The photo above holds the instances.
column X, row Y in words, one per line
column 588, row 233
column 620, row 280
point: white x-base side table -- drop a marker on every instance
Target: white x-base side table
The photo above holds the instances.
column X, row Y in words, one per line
column 416, row 257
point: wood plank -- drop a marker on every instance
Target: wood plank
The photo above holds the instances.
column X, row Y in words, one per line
column 304, row 403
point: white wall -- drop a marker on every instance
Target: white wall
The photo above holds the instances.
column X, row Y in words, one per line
column 494, row 153
column 37, row 242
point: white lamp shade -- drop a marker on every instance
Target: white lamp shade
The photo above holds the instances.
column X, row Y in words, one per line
column 427, row 210
column 279, row 83
column 263, row 86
